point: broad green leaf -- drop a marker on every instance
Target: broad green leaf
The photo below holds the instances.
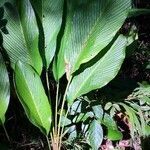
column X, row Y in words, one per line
column 76, row 107
column 21, row 42
column 4, row 90
column 50, row 12
column 101, row 73
column 109, row 122
column 64, row 121
column 72, row 133
column 114, row 135
column 98, row 111
column 147, row 129
column 90, row 27
column 113, row 132
column 32, row 96
column 95, row 135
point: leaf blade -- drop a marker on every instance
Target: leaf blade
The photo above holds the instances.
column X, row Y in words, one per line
column 50, row 12
column 32, row 97
column 21, row 42
column 90, row 27
column 4, row 90
column 95, row 135
column 112, row 131
column 100, row 73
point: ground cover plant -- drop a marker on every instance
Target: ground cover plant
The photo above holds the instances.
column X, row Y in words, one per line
column 57, row 59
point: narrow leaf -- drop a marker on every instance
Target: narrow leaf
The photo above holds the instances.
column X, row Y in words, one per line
column 101, row 73
column 135, row 125
column 32, row 97
column 4, row 90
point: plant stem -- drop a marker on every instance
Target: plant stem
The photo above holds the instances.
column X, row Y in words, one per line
column 49, row 97
column 56, row 107
column 63, row 128
column 64, row 121
column 48, row 143
column 47, row 82
column 6, row 133
column 62, row 107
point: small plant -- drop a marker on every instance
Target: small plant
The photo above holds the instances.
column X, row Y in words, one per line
column 76, row 40
column 134, row 113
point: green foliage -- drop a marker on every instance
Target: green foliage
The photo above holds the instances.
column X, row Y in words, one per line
column 4, row 90
column 90, row 116
column 21, row 42
column 136, row 110
column 87, row 46
column 87, row 28
column 50, row 14
column 32, row 96
column 95, row 135
column 113, row 132
column 99, row 74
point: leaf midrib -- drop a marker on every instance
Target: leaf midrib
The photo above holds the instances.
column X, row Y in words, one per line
column 31, row 96
column 90, row 35
column 83, row 83
column 23, row 34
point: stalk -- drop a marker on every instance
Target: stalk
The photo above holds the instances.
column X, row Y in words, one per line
column 6, row 133
column 48, row 143
column 49, row 97
column 56, row 107
column 63, row 128
column 47, row 82
column 62, row 107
